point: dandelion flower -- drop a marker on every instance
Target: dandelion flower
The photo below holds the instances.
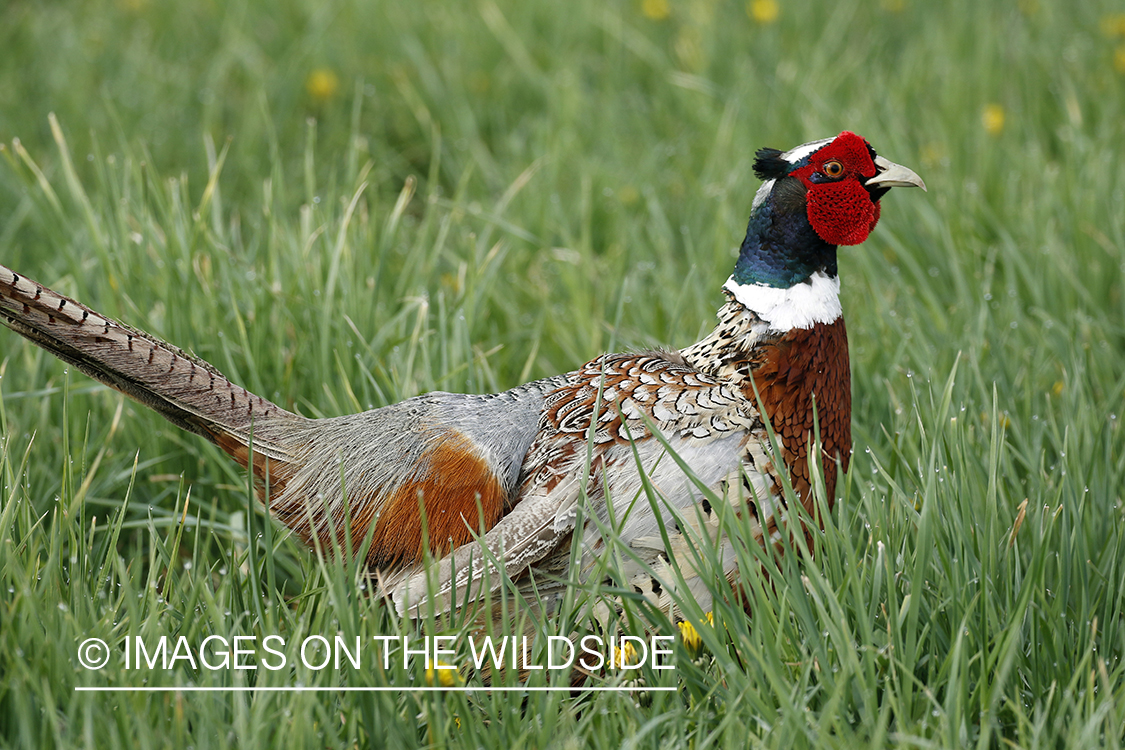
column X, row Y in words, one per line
column 322, row 84
column 763, row 11
column 1114, row 24
column 445, row 675
column 993, row 119
column 693, row 644
column 657, row 10
column 626, row 654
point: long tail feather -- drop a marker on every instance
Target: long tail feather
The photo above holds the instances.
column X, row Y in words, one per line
column 187, row 391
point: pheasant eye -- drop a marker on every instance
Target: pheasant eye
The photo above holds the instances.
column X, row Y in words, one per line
column 833, row 169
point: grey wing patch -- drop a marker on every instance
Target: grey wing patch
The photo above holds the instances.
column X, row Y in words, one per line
column 337, row 473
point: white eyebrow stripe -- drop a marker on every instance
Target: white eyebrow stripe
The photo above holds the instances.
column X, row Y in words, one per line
column 795, row 155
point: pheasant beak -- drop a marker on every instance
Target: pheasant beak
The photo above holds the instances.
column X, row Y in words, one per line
column 893, row 175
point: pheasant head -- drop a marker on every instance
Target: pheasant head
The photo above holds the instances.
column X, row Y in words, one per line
column 815, row 197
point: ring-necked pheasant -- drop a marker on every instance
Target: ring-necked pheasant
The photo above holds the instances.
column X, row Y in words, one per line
column 517, row 464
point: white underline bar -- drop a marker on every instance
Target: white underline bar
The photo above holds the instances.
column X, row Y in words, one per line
column 345, row 689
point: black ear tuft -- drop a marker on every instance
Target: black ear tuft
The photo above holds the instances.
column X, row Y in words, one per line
column 769, row 165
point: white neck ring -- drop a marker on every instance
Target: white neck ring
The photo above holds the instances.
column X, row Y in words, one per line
column 802, row 305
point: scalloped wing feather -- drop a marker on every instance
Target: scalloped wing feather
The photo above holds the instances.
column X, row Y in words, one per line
column 708, row 424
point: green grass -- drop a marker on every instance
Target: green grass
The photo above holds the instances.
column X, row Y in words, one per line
column 500, row 191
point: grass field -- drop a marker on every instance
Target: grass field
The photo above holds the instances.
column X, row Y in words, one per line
column 342, row 204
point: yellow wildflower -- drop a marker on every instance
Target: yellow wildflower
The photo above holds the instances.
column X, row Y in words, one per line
column 1057, row 388
column 322, row 84
column 626, row 654
column 445, row 675
column 693, row 644
column 1004, row 421
column 1114, row 24
column 763, row 11
column 1119, row 59
column 657, row 10
column 993, row 119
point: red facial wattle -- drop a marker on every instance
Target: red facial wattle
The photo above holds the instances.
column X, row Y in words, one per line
column 842, row 213
column 841, row 210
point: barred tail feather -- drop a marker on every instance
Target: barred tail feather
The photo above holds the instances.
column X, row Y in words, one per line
column 182, row 388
